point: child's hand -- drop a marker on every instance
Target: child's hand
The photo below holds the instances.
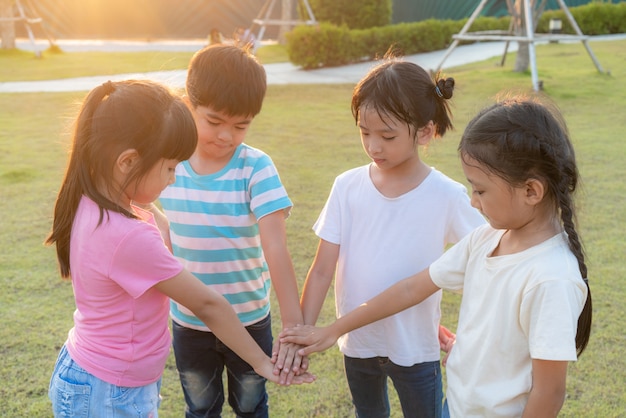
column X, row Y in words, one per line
column 446, row 341
column 267, row 371
column 287, row 361
column 313, row 338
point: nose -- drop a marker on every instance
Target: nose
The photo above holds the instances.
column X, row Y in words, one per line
column 225, row 135
column 475, row 202
column 372, row 146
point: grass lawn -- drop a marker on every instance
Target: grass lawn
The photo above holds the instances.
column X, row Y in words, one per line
column 19, row 65
column 309, row 132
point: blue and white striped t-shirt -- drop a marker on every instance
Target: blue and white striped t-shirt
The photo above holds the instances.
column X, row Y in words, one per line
column 214, row 231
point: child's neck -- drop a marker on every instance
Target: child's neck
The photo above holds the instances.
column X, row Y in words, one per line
column 205, row 165
column 532, row 234
column 399, row 180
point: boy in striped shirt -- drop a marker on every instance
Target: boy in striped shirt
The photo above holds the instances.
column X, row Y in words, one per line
column 226, row 213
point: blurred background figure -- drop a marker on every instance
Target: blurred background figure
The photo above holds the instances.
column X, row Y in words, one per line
column 245, row 38
column 215, row 37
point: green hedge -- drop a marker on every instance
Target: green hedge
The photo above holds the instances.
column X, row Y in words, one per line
column 328, row 45
column 354, row 14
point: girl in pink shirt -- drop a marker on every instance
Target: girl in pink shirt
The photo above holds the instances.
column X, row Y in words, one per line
column 128, row 139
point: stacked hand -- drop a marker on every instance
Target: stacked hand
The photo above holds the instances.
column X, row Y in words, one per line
column 290, row 366
column 313, row 339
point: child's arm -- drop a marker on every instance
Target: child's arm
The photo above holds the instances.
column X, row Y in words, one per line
column 548, row 389
column 318, row 281
column 215, row 311
column 397, row 298
column 272, row 230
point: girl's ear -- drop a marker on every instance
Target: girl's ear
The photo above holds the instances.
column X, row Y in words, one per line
column 127, row 160
column 425, row 133
column 535, row 191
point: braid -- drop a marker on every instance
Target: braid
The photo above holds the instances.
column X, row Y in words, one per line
column 567, row 217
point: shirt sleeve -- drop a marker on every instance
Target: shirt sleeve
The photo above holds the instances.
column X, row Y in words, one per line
column 448, row 271
column 549, row 317
column 142, row 260
column 328, row 224
column 267, row 193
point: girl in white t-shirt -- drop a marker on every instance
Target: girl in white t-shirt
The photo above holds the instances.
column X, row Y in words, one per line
column 382, row 222
column 526, row 307
column 128, row 139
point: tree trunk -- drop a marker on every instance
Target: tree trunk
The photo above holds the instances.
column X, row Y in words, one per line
column 286, row 6
column 522, row 58
column 519, row 25
column 7, row 28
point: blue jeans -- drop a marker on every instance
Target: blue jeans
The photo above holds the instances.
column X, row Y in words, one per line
column 200, row 360
column 76, row 393
column 446, row 410
column 419, row 387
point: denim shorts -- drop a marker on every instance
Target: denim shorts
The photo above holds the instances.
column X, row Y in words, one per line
column 76, row 393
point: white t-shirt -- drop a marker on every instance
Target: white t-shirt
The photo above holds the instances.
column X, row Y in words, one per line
column 383, row 240
column 515, row 308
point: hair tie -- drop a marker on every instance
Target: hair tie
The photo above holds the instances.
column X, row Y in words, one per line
column 439, row 93
column 109, row 87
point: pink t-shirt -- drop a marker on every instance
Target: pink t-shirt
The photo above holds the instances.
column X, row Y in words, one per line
column 120, row 332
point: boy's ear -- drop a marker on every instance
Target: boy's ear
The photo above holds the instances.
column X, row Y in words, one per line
column 425, row 134
column 127, row 160
column 535, row 191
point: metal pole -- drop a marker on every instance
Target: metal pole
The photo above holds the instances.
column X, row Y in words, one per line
column 463, row 31
column 572, row 21
column 528, row 15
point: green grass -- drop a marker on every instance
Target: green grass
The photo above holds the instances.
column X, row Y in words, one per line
column 19, row 65
column 309, row 132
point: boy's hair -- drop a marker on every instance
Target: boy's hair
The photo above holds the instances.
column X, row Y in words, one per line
column 114, row 117
column 521, row 138
column 227, row 79
column 405, row 91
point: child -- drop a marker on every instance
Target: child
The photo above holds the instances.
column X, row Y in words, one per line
column 526, row 307
column 227, row 211
column 382, row 222
column 129, row 137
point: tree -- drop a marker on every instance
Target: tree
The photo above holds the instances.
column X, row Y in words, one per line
column 7, row 25
column 522, row 58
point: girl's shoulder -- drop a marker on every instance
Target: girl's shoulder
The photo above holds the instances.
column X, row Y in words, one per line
column 439, row 179
column 353, row 173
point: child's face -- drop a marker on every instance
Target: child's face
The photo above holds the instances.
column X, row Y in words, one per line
column 388, row 142
column 218, row 133
column 161, row 175
column 501, row 203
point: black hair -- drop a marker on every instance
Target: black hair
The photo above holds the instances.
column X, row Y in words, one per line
column 405, row 91
column 227, row 79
